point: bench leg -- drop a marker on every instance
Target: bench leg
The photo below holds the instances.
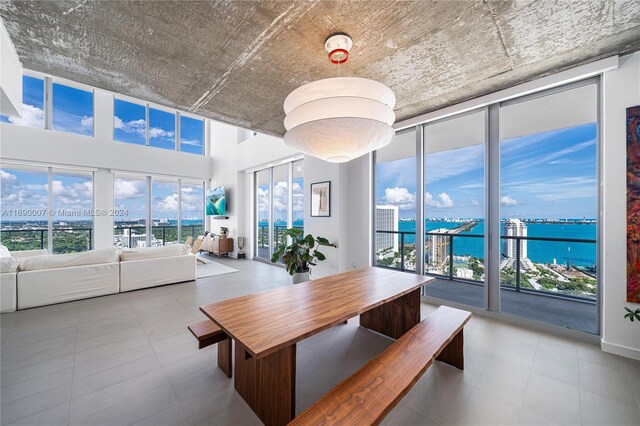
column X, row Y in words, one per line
column 224, row 356
column 453, row 353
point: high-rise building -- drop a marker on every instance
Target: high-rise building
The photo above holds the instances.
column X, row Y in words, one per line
column 515, row 228
column 438, row 249
column 386, row 220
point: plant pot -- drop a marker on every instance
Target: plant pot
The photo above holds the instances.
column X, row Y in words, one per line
column 300, row 277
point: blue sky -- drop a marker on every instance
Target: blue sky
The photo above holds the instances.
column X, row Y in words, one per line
column 280, row 200
column 26, row 189
column 546, row 175
column 73, row 113
column 32, row 104
column 130, row 195
column 129, row 122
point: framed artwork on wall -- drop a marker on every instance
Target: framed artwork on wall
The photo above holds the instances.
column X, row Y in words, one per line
column 321, row 199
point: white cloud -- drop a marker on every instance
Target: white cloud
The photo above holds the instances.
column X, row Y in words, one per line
column 168, row 203
column 443, row 201
column 125, row 188
column 156, row 132
column 507, row 201
column 439, row 164
column 192, row 199
column 8, row 179
column 400, row 197
column 31, row 117
column 192, row 142
column 131, row 126
column 86, row 122
column 475, row 202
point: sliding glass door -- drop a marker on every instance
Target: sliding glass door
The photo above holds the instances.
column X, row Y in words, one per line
column 279, row 205
column 263, row 214
column 395, row 204
column 454, row 203
column 150, row 211
column 509, row 204
column 548, row 207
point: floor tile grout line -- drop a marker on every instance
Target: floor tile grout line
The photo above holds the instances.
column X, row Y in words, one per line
column 38, row 393
column 73, row 372
column 155, row 352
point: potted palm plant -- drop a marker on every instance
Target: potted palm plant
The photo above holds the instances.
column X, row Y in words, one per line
column 300, row 254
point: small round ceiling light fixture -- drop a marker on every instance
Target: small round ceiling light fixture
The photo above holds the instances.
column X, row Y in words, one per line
column 341, row 118
column 338, row 45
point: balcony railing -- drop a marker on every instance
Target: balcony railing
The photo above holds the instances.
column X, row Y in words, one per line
column 558, row 279
column 440, row 261
column 65, row 240
column 263, row 234
column 163, row 233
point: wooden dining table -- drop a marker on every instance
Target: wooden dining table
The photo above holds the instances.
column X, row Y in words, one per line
column 266, row 327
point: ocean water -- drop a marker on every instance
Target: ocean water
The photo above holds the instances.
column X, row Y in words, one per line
column 580, row 254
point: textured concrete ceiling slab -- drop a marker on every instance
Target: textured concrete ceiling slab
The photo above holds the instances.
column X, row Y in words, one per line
column 236, row 61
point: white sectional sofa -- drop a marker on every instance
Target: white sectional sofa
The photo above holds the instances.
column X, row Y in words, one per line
column 48, row 279
column 154, row 266
column 35, row 278
column 9, row 274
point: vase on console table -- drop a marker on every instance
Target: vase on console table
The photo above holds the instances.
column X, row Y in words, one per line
column 224, row 232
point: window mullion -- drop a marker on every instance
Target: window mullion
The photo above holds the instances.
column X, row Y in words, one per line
column 50, row 212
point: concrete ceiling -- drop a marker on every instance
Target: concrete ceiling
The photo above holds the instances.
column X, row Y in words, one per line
column 236, row 61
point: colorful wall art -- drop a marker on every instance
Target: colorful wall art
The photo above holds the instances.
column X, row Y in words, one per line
column 633, row 204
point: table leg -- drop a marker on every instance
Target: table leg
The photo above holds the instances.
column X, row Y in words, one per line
column 268, row 384
column 394, row 318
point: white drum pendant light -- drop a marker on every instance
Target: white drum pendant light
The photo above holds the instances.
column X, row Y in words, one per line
column 339, row 119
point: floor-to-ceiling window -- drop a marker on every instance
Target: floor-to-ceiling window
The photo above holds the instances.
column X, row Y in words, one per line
column 279, row 205
column 130, row 211
column 155, row 211
column 395, row 203
column 72, row 204
column 263, row 212
column 548, row 207
column 297, row 192
column 48, row 208
column 454, row 203
column 192, row 209
column 25, row 206
column 164, row 211
column 510, row 206
column 281, row 196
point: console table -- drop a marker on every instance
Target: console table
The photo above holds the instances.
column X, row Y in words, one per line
column 222, row 246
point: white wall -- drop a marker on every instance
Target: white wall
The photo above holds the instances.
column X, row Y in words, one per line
column 332, row 228
column 10, row 76
column 621, row 90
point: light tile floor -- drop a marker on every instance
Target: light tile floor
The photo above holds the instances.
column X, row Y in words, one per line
column 128, row 359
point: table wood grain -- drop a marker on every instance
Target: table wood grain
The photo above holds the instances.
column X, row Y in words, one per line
column 264, row 323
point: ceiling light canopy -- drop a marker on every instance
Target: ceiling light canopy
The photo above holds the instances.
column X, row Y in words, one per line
column 339, row 119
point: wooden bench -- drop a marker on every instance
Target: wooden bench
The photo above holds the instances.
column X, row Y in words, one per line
column 208, row 333
column 369, row 394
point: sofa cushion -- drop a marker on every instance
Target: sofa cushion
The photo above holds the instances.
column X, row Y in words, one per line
column 53, row 261
column 9, row 264
column 154, row 252
column 29, row 253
